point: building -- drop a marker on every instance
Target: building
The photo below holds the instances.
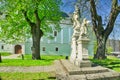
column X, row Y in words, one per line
column 12, row 48
column 60, row 45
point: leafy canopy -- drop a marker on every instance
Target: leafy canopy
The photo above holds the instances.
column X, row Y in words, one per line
column 13, row 25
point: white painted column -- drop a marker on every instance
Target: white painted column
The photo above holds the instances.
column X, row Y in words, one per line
column 42, row 39
column 62, row 36
column 55, row 39
column 23, row 49
column 69, row 33
column 48, row 41
column 12, row 49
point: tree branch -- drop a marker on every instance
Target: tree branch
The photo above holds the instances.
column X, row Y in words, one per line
column 94, row 16
column 26, row 18
column 38, row 21
column 37, row 17
column 113, row 15
column 93, row 10
column 43, row 18
column 118, row 8
column 114, row 3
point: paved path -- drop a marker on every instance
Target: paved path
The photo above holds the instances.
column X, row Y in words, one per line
column 24, row 69
column 13, row 56
column 28, row 69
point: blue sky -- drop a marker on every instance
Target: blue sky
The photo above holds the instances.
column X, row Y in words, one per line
column 68, row 6
column 103, row 9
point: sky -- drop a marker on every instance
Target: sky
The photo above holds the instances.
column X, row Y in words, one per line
column 68, row 6
column 103, row 9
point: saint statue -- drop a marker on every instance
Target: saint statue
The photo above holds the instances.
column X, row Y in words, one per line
column 83, row 28
column 76, row 17
column 76, row 30
column 76, row 21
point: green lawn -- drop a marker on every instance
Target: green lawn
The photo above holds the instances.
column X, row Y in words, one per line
column 46, row 60
column 5, row 53
column 111, row 62
column 27, row 76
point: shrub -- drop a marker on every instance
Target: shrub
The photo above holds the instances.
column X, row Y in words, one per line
column 109, row 49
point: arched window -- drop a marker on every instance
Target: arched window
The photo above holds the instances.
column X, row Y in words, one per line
column 2, row 47
column 55, row 33
column 56, row 49
column 43, row 49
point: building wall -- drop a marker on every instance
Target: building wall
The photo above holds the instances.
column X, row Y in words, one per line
column 6, row 47
column 60, row 45
column 115, row 44
column 55, row 49
column 10, row 47
column 62, row 41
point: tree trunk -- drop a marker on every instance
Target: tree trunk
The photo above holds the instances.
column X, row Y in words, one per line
column 36, row 32
column 101, row 33
column 36, row 42
column 101, row 47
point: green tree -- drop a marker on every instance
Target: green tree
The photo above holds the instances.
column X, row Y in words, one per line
column 101, row 33
column 38, row 17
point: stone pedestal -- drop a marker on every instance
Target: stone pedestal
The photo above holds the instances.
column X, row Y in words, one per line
column 85, row 63
column 82, row 55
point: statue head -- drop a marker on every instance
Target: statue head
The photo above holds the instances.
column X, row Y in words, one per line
column 76, row 7
column 85, row 21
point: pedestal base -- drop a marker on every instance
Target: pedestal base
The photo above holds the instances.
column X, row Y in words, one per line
column 85, row 57
column 85, row 63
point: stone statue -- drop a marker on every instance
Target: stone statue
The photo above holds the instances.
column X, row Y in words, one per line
column 75, row 36
column 76, row 21
column 79, row 38
column 76, row 17
column 83, row 28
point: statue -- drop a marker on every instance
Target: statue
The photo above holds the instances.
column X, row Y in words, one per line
column 78, row 38
column 76, row 30
column 83, row 28
column 76, row 21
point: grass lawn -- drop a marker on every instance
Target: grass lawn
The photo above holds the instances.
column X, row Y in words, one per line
column 111, row 62
column 5, row 53
column 27, row 76
column 46, row 60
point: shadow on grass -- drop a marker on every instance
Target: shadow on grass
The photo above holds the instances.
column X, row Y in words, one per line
column 38, row 79
column 0, row 78
column 109, row 63
column 113, row 66
column 115, row 62
column 49, row 78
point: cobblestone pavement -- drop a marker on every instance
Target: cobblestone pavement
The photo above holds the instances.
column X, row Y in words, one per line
column 28, row 69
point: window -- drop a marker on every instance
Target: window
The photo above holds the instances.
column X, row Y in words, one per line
column 55, row 33
column 56, row 49
column 43, row 48
column 2, row 47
